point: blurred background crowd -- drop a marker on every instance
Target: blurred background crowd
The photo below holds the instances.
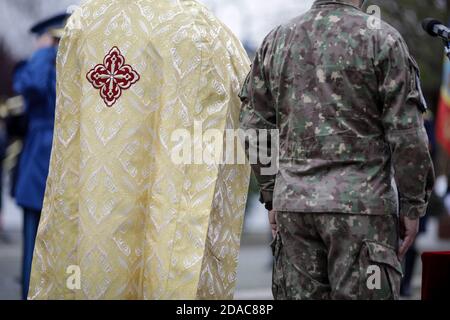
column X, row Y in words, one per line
column 251, row 20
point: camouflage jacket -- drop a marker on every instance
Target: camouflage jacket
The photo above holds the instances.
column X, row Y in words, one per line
column 347, row 102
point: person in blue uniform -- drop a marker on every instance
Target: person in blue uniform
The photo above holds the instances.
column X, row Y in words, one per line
column 35, row 80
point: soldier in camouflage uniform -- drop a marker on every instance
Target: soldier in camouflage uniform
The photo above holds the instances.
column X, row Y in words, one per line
column 347, row 102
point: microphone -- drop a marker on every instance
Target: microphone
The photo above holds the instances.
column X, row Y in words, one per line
column 435, row 28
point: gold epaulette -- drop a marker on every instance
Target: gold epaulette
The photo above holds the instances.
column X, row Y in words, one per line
column 12, row 107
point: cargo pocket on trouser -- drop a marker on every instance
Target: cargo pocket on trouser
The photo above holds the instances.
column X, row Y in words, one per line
column 380, row 272
column 278, row 280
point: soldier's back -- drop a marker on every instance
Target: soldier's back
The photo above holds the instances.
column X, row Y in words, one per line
column 324, row 79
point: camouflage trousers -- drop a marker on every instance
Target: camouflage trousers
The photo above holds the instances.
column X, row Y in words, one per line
column 336, row 256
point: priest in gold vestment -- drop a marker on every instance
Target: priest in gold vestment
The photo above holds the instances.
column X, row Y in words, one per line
column 121, row 219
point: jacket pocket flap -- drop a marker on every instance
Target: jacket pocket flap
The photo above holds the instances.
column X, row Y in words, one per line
column 383, row 254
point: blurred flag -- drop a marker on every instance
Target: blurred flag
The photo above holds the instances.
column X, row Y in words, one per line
column 443, row 117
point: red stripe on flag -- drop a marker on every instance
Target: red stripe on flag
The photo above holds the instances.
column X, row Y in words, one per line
column 443, row 125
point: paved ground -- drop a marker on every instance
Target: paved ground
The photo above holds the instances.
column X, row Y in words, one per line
column 10, row 251
column 10, row 268
column 254, row 272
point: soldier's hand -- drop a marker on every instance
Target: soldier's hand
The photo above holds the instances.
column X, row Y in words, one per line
column 273, row 223
column 408, row 231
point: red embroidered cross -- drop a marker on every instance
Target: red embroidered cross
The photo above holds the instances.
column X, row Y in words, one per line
column 112, row 76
